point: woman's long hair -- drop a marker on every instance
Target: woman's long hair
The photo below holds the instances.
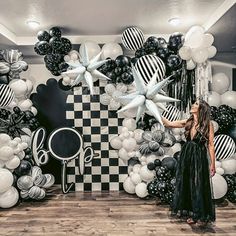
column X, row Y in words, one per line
column 204, row 112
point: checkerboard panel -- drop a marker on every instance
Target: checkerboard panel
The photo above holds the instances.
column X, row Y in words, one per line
column 97, row 125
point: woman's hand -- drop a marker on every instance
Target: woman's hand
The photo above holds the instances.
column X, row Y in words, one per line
column 212, row 170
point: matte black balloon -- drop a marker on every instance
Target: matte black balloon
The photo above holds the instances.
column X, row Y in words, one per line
column 43, row 47
column 24, row 168
column 55, row 43
column 122, row 61
column 157, row 162
column 55, row 32
column 4, row 79
column 173, row 62
column 43, row 35
column 232, row 132
column 177, row 156
column 151, row 166
column 169, row 162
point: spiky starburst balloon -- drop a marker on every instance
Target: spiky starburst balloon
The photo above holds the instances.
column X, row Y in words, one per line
column 86, row 69
column 147, row 97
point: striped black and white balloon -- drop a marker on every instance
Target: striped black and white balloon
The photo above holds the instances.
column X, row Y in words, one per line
column 6, row 95
column 172, row 113
column 132, row 38
column 148, row 65
column 224, row 147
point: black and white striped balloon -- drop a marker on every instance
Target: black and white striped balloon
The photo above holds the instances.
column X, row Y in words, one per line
column 6, row 95
column 148, row 65
column 132, row 38
column 172, row 113
column 224, row 147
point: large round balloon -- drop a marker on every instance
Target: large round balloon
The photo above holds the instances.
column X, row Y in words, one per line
column 220, row 83
column 9, row 198
column 224, row 147
column 132, row 38
column 219, row 186
column 6, row 95
column 194, row 37
column 214, row 99
column 148, row 65
column 172, row 113
column 229, row 99
column 92, row 48
column 6, row 180
column 199, row 55
column 111, row 50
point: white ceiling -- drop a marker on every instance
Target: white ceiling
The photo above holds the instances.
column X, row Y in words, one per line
column 103, row 20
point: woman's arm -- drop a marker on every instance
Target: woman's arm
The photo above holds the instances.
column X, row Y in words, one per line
column 173, row 124
column 211, row 148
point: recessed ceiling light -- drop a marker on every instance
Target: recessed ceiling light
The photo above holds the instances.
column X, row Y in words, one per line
column 33, row 24
column 174, row 21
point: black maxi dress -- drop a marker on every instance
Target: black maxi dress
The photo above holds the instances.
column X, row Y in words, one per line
column 193, row 192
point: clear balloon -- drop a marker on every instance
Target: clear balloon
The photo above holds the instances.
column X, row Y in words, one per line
column 111, row 50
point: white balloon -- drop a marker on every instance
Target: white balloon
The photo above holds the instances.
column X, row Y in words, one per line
column 26, row 139
column 131, row 154
column 136, row 168
column 66, row 58
column 34, row 110
column 2, row 164
column 220, row 171
column 66, row 79
column 74, row 56
column 215, row 125
column 229, row 99
column 4, row 138
column 208, row 40
column 129, row 123
column 6, row 153
column 135, row 178
column 29, row 85
column 211, row 51
column 229, row 166
column 25, row 105
column 219, row 186
column 129, row 144
column 121, row 87
column 199, row 55
column 185, row 53
column 151, row 158
column 9, row 198
column 93, row 49
column 105, row 99
column 6, row 180
column 194, row 37
column 214, row 99
column 176, row 131
column 190, row 65
column 129, row 186
column 220, row 83
column 116, row 142
column 110, row 89
column 138, row 135
column 13, row 163
column 19, row 87
column 146, row 174
column 114, row 105
column 217, row 164
column 141, row 190
column 123, row 154
column 111, row 50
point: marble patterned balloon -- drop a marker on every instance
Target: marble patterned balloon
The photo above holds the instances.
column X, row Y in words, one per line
column 50, row 181
column 25, row 182
column 40, row 180
column 36, row 171
column 144, row 149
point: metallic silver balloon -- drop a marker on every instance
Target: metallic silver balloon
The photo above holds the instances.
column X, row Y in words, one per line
column 25, row 182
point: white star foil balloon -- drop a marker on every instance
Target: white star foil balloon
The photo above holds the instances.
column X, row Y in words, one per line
column 86, row 69
column 147, row 97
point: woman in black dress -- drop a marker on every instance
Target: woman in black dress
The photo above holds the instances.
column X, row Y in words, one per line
column 193, row 193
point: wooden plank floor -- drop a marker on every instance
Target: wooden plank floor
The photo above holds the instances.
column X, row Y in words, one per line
column 106, row 214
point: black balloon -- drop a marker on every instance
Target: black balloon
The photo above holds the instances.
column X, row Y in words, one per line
column 24, row 168
column 43, row 35
column 175, row 41
column 153, row 40
column 140, row 52
column 43, row 47
column 55, row 32
column 122, row 61
column 134, row 60
column 232, row 132
column 157, row 162
column 4, row 79
column 163, row 53
column 177, row 156
column 162, row 42
column 66, row 45
column 55, row 43
column 151, row 166
column 173, row 62
column 169, row 162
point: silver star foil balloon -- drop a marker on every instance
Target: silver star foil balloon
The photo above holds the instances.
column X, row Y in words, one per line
column 147, row 97
column 86, row 69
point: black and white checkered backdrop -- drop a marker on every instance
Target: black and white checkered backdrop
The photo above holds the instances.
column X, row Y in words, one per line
column 97, row 125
